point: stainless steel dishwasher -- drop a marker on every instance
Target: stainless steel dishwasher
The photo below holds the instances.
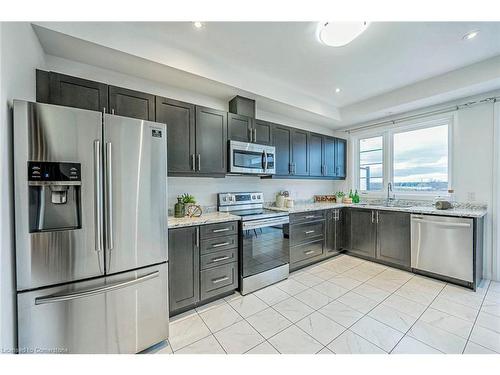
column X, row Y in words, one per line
column 443, row 246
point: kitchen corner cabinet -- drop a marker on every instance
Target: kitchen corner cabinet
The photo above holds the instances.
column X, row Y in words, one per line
column 130, row 103
column 361, row 231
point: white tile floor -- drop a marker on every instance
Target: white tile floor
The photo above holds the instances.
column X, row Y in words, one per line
column 345, row 305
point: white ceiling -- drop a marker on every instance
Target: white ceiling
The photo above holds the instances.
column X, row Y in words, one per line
column 283, row 62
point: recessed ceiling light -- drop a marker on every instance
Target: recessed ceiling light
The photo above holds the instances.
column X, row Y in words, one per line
column 337, row 90
column 338, row 34
column 470, row 35
column 198, row 24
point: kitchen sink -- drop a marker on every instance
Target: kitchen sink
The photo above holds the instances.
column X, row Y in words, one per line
column 395, row 204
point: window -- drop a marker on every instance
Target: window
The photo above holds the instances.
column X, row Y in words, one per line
column 370, row 164
column 420, row 160
column 413, row 157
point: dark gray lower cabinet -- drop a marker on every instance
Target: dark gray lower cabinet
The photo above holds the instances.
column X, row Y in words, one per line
column 361, row 231
column 203, row 264
column 307, row 238
column 334, row 233
column 393, row 237
column 183, row 268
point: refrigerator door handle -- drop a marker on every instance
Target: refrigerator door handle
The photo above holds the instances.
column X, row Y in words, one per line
column 97, row 196
column 94, row 291
column 109, row 197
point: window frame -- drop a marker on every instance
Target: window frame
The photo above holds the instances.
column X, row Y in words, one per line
column 387, row 133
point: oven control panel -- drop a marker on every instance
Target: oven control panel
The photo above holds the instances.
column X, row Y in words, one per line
column 229, row 199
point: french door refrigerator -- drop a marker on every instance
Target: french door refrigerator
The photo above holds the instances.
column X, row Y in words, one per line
column 91, row 230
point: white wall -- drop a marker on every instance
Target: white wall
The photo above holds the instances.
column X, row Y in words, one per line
column 21, row 54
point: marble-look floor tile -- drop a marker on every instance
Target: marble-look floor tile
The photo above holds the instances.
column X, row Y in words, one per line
column 404, row 305
column 211, row 305
column 486, row 337
column 268, row 322
column 340, row 313
column 417, row 294
column 392, row 317
column 313, row 298
column 320, row 327
column 488, row 321
column 491, row 306
column 437, row 338
column 220, row 317
column 187, row 330
column 409, row 345
column 371, row 292
column 359, row 275
column 239, row 338
column 330, row 289
column 387, row 285
column 325, row 274
column 377, row 333
column 264, row 348
column 358, row 302
column 293, row 309
column 345, row 281
column 325, row 350
column 454, row 308
column 208, row 345
column 472, row 348
column 291, row 286
column 309, row 280
column 449, row 323
column 464, row 296
column 272, row 295
column 295, row 341
column 248, row 305
column 350, row 343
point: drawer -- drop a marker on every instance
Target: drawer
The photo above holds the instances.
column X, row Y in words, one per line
column 218, row 258
column 306, row 251
column 306, row 232
column 218, row 280
column 211, row 245
column 307, row 216
column 218, row 229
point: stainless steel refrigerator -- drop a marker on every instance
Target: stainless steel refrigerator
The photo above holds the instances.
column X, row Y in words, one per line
column 91, row 230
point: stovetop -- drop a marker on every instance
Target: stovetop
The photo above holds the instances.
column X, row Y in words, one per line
column 258, row 213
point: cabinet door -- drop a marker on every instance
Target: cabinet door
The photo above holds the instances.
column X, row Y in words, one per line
column 340, row 157
column 362, row 232
column 77, row 92
column 130, row 103
column 334, row 232
column 184, row 267
column 300, row 152
column 329, row 156
column 211, row 141
column 316, row 164
column 393, row 237
column 262, row 132
column 179, row 117
column 239, row 127
column 282, row 142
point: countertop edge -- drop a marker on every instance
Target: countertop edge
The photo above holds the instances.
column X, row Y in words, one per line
column 210, row 218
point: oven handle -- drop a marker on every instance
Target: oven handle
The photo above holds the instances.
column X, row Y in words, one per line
column 255, row 224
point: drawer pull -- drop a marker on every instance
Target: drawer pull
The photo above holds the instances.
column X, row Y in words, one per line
column 309, row 231
column 220, row 244
column 220, row 279
column 310, row 217
column 220, row 230
column 309, row 252
column 219, row 259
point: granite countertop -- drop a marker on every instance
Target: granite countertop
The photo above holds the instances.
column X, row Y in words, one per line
column 430, row 210
column 208, row 218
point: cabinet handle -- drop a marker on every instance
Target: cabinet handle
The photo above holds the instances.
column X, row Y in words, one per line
column 193, row 162
column 219, row 259
column 220, row 230
column 251, row 134
column 309, row 231
column 310, row 217
column 112, row 111
column 373, row 217
column 220, row 244
column 377, row 217
column 255, row 135
column 309, row 252
column 197, row 236
column 199, row 162
column 220, row 279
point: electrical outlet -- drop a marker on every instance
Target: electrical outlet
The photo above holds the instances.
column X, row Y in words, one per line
column 471, row 196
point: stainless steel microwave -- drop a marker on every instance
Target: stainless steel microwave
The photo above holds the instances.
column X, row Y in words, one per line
column 251, row 158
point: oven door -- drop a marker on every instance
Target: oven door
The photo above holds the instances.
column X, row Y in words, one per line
column 251, row 158
column 264, row 245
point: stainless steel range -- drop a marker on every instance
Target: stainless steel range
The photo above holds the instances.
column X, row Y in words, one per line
column 264, row 250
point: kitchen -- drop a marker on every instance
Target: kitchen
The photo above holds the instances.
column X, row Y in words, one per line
column 224, row 218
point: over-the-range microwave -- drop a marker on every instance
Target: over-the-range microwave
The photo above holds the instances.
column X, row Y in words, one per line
column 251, row 158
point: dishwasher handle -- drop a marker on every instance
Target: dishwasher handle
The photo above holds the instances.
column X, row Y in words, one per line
column 442, row 223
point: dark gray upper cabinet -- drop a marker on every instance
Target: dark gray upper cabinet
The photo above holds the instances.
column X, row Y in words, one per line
column 184, row 268
column 316, row 164
column 239, row 128
column 75, row 92
column 130, row 103
column 340, row 158
column 282, row 141
column 329, row 156
column 300, row 152
column 211, row 141
column 262, row 132
column 361, row 232
column 393, row 237
column 180, row 120
column 242, row 106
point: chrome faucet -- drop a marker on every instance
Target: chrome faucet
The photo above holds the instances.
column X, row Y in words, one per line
column 389, row 190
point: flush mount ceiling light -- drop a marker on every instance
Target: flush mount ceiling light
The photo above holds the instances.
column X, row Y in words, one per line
column 337, row 90
column 198, row 24
column 338, row 34
column 470, row 35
